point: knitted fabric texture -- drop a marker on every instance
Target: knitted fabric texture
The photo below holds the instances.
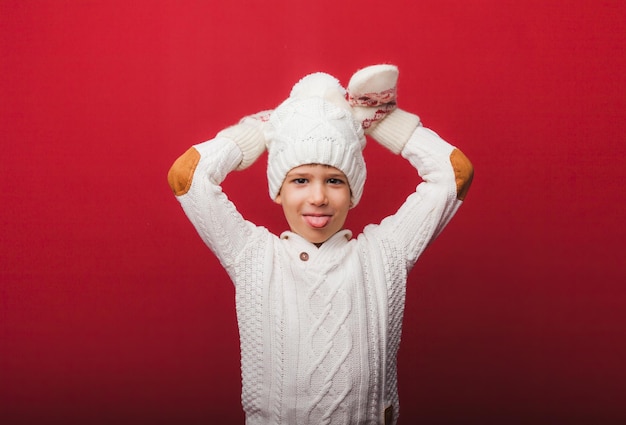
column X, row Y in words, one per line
column 315, row 125
column 320, row 333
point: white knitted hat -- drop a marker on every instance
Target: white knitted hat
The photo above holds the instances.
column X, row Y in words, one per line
column 315, row 125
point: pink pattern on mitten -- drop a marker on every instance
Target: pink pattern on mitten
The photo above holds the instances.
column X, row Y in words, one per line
column 373, row 99
column 372, row 93
column 385, row 101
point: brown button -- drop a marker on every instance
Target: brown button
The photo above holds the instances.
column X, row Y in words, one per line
column 304, row 256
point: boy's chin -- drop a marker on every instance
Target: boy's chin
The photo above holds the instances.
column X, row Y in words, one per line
column 318, row 239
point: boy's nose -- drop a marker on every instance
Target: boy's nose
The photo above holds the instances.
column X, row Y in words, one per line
column 317, row 195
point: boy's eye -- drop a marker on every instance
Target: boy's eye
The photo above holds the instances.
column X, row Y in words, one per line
column 299, row 181
column 335, row 181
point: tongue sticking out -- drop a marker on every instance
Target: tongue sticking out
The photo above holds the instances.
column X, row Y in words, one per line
column 317, row 221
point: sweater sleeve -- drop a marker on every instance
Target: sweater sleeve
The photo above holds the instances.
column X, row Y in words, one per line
column 446, row 175
column 195, row 178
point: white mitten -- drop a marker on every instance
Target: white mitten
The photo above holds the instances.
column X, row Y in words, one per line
column 372, row 95
column 248, row 134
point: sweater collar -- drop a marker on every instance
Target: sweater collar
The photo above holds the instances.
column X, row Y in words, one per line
column 338, row 239
column 307, row 255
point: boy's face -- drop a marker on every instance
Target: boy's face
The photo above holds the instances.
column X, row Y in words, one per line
column 315, row 200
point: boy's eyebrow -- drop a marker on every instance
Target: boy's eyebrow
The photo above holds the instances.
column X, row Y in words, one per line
column 298, row 174
column 339, row 176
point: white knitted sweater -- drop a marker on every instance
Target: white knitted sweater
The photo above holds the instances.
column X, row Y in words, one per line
column 320, row 327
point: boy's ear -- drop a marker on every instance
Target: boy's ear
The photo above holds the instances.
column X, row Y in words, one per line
column 278, row 200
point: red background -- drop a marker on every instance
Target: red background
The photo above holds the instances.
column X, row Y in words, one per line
column 113, row 311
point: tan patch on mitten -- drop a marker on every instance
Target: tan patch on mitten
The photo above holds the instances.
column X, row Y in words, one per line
column 181, row 173
column 463, row 173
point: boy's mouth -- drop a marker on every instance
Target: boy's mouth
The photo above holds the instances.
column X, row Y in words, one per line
column 317, row 221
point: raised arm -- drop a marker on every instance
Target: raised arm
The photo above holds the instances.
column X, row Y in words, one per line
column 446, row 172
column 196, row 176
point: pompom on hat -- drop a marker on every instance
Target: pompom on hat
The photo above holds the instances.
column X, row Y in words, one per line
column 315, row 125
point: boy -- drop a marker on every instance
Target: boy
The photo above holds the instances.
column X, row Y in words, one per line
column 320, row 312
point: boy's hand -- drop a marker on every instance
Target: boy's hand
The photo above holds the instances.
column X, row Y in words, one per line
column 248, row 134
column 372, row 95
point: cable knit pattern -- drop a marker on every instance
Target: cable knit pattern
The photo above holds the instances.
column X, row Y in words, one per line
column 330, row 345
column 372, row 306
column 251, row 335
column 395, row 305
column 320, row 327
